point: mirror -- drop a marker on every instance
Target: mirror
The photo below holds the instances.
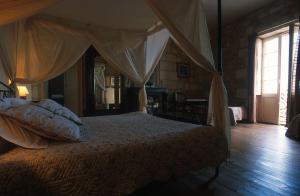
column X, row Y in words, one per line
column 107, row 86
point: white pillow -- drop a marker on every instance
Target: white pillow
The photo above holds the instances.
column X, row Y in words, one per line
column 15, row 134
column 60, row 110
column 44, row 123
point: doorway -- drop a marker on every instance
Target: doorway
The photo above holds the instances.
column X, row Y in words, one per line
column 272, row 59
column 102, row 85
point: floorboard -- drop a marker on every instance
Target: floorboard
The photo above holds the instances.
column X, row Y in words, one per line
column 263, row 162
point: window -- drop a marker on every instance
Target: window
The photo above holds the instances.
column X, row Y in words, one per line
column 270, row 65
column 272, row 71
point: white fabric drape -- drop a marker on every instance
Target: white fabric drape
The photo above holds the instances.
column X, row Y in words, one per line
column 42, row 48
column 135, row 54
column 186, row 22
column 33, row 51
column 47, row 49
column 12, row 10
column 8, row 50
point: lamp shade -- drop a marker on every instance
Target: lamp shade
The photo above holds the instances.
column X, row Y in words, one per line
column 23, row 91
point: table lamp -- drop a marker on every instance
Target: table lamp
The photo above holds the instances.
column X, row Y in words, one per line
column 23, row 92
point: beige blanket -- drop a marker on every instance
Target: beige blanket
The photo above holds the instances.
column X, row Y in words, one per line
column 120, row 154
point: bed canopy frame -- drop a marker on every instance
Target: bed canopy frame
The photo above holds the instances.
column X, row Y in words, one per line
column 37, row 47
column 7, row 91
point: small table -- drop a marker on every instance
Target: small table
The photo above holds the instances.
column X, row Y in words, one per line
column 199, row 108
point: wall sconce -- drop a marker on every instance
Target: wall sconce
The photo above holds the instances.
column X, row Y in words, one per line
column 23, row 92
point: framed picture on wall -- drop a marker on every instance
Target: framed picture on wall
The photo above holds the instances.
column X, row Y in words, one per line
column 183, row 70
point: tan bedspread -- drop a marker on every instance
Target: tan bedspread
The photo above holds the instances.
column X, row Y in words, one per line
column 120, row 154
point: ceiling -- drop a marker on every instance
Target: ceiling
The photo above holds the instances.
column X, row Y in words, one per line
column 231, row 9
column 123, row 14
column 135, row 14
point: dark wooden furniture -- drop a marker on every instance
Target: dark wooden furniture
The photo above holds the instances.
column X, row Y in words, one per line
column 130, row 100
column 157, row 100
column 88, row 82
column 192, row 111
column 56, row 89
column 198, row 108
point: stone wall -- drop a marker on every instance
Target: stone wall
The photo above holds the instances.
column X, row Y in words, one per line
column 235, row 44
column 196, row 86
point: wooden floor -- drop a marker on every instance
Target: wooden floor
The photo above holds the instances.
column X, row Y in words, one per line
column 263, row 162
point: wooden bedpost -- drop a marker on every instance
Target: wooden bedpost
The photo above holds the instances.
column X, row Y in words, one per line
column 216, row 175
column 220, row 56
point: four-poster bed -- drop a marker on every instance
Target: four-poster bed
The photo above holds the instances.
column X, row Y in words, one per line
column 119, row 153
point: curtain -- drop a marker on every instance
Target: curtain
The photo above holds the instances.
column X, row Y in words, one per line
column 48, row 49
column 42, row 48
column 294, row 94
column 34, row 51
column 186, row 22
column 8, row 47
column 12, row 10
column 134, row 54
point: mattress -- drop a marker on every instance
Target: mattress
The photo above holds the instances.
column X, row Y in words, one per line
column 118, row 154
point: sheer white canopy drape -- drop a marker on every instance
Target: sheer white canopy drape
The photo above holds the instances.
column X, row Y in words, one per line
column 48, row 49
column 41, row 49
column 186, row 22
column 8, row 50
column 34, row 51
column 136, row 54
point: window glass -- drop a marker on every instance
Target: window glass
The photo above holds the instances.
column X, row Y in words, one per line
column 271, row 45
column 270, row 66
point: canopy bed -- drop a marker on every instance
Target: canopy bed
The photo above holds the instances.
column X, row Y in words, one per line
column 116, row 154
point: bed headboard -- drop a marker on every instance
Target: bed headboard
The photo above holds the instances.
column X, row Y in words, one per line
column 7, row 92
